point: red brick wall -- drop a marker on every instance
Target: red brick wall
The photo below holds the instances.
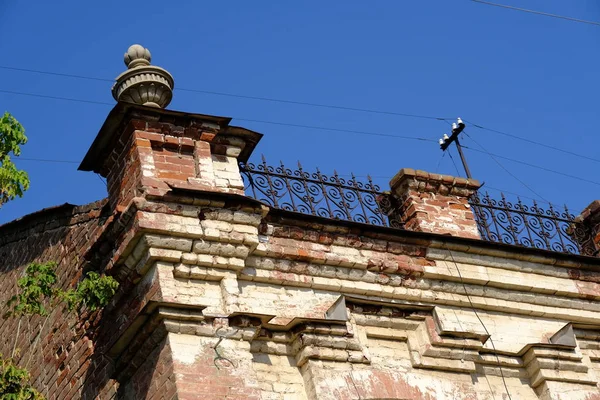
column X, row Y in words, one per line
column 199, row 378
column 435, row 203
column 61, row 359
column 154, row 379
column 124, row 167
column 174, row 163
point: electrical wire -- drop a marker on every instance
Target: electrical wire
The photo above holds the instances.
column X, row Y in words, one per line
column 334, row 130
column 480, row 321
column 437, row 168
column 583, row 21
column 43, row 96
column 529, row 164
column 454, row 163
column 516, row 194
column 322, row 128
column 534, row 142
column 269, row 99
column 302, row 103
column 102, row 180
column 331, row 106
column 46, row 160
column 504, row 168
column 338, row 130
column 35, row 71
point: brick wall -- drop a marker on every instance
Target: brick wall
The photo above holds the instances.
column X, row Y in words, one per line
column 154, row 379
column 435, row 203
column 147, row 152
column 276, row 278
column 223, row 297
column 56, row 349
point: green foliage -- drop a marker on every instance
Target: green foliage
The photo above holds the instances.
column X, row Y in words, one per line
column 13, row 182
column 14, row 383
column 36, row 287
column 94, row 292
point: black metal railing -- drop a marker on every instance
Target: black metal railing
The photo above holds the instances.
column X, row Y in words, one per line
column 315, row 193
column 332, row 196
column 519, row 224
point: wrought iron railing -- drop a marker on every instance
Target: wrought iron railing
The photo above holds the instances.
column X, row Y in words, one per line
column 329, row 196
column 516, row 223
column 336, row 197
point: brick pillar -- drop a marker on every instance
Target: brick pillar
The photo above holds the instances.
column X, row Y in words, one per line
column 149, row 151
column 586, row 229
column 435, row 203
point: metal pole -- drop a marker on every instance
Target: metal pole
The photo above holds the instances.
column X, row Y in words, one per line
column 462, row 158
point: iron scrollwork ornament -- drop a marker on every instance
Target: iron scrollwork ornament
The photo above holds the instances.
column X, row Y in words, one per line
column 328, row 196
column 533, row 226
column 335, row 197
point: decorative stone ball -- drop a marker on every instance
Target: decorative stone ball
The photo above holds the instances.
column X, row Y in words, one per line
column 136, row 56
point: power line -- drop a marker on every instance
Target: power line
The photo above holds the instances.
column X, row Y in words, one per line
column 437, row 168
column 330, row 106
column 516, row 194
column 35, row 71
column 534, row 142
column 504, row 168
column 454, row 163
column 322, row 128
column 480, row 321
column 333, row 130
column 270, row 99
column 531, row 165
column 583, row 21
column 47, row 160
column 43, row 96
column 102, row 180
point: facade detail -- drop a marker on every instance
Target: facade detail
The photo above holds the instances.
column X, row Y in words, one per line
column 143, row 83
column 242, row 281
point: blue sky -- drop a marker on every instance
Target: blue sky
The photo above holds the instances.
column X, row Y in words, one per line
column 531, row 76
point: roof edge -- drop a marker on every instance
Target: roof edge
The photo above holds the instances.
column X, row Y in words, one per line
column 118, row 116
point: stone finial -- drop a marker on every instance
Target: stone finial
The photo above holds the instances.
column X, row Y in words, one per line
column 137, row 55
column 143, row 83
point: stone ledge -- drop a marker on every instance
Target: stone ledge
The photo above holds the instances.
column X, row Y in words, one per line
column 423, row 181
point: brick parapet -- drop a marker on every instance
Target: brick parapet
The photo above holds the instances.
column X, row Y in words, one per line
column 145, row 151
column 588, row 225
column 434, row 203
column 55, row 348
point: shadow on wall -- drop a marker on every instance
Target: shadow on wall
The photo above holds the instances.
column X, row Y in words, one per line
column 52, row 234
column 148, row 374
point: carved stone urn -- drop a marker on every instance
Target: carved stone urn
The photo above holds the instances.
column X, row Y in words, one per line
column 143, row 83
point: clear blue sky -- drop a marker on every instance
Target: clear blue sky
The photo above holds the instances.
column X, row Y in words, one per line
column 532, row 76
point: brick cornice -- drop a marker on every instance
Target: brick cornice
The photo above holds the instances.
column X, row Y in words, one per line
column 120, row 116
column 422, row 181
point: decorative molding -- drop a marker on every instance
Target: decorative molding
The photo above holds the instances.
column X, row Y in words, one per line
column 143, row 83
